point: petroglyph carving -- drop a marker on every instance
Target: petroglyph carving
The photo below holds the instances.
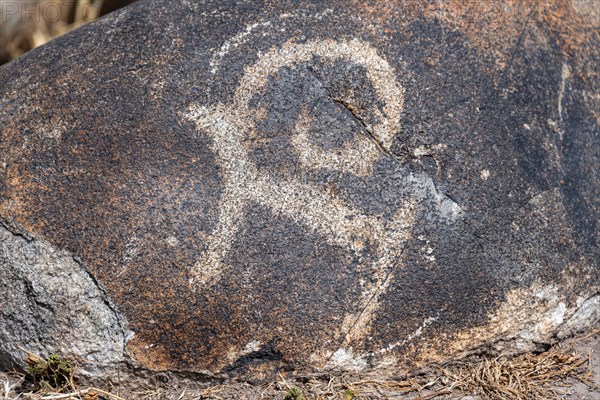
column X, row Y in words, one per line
column 308, row 205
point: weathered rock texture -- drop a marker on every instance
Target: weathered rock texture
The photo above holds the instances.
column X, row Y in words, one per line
column 302, row 185
column 50, row 302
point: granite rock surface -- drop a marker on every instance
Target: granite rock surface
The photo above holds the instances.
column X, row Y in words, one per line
column 240, row 187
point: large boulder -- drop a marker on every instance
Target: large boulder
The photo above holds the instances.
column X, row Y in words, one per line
column 241, row 187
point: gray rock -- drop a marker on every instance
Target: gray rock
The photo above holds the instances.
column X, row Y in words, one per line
column 51, row 304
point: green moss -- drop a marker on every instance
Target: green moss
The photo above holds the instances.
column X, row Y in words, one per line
column 293, row 394
column 53, row 372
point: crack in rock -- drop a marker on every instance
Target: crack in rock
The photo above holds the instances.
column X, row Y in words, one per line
column 366, row 128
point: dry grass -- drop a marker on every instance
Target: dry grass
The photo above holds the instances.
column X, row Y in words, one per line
column 24, row 31
column 27, row 24
column 529, row 376
column 12, row 385
column 317, row 388
column 50, row 378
